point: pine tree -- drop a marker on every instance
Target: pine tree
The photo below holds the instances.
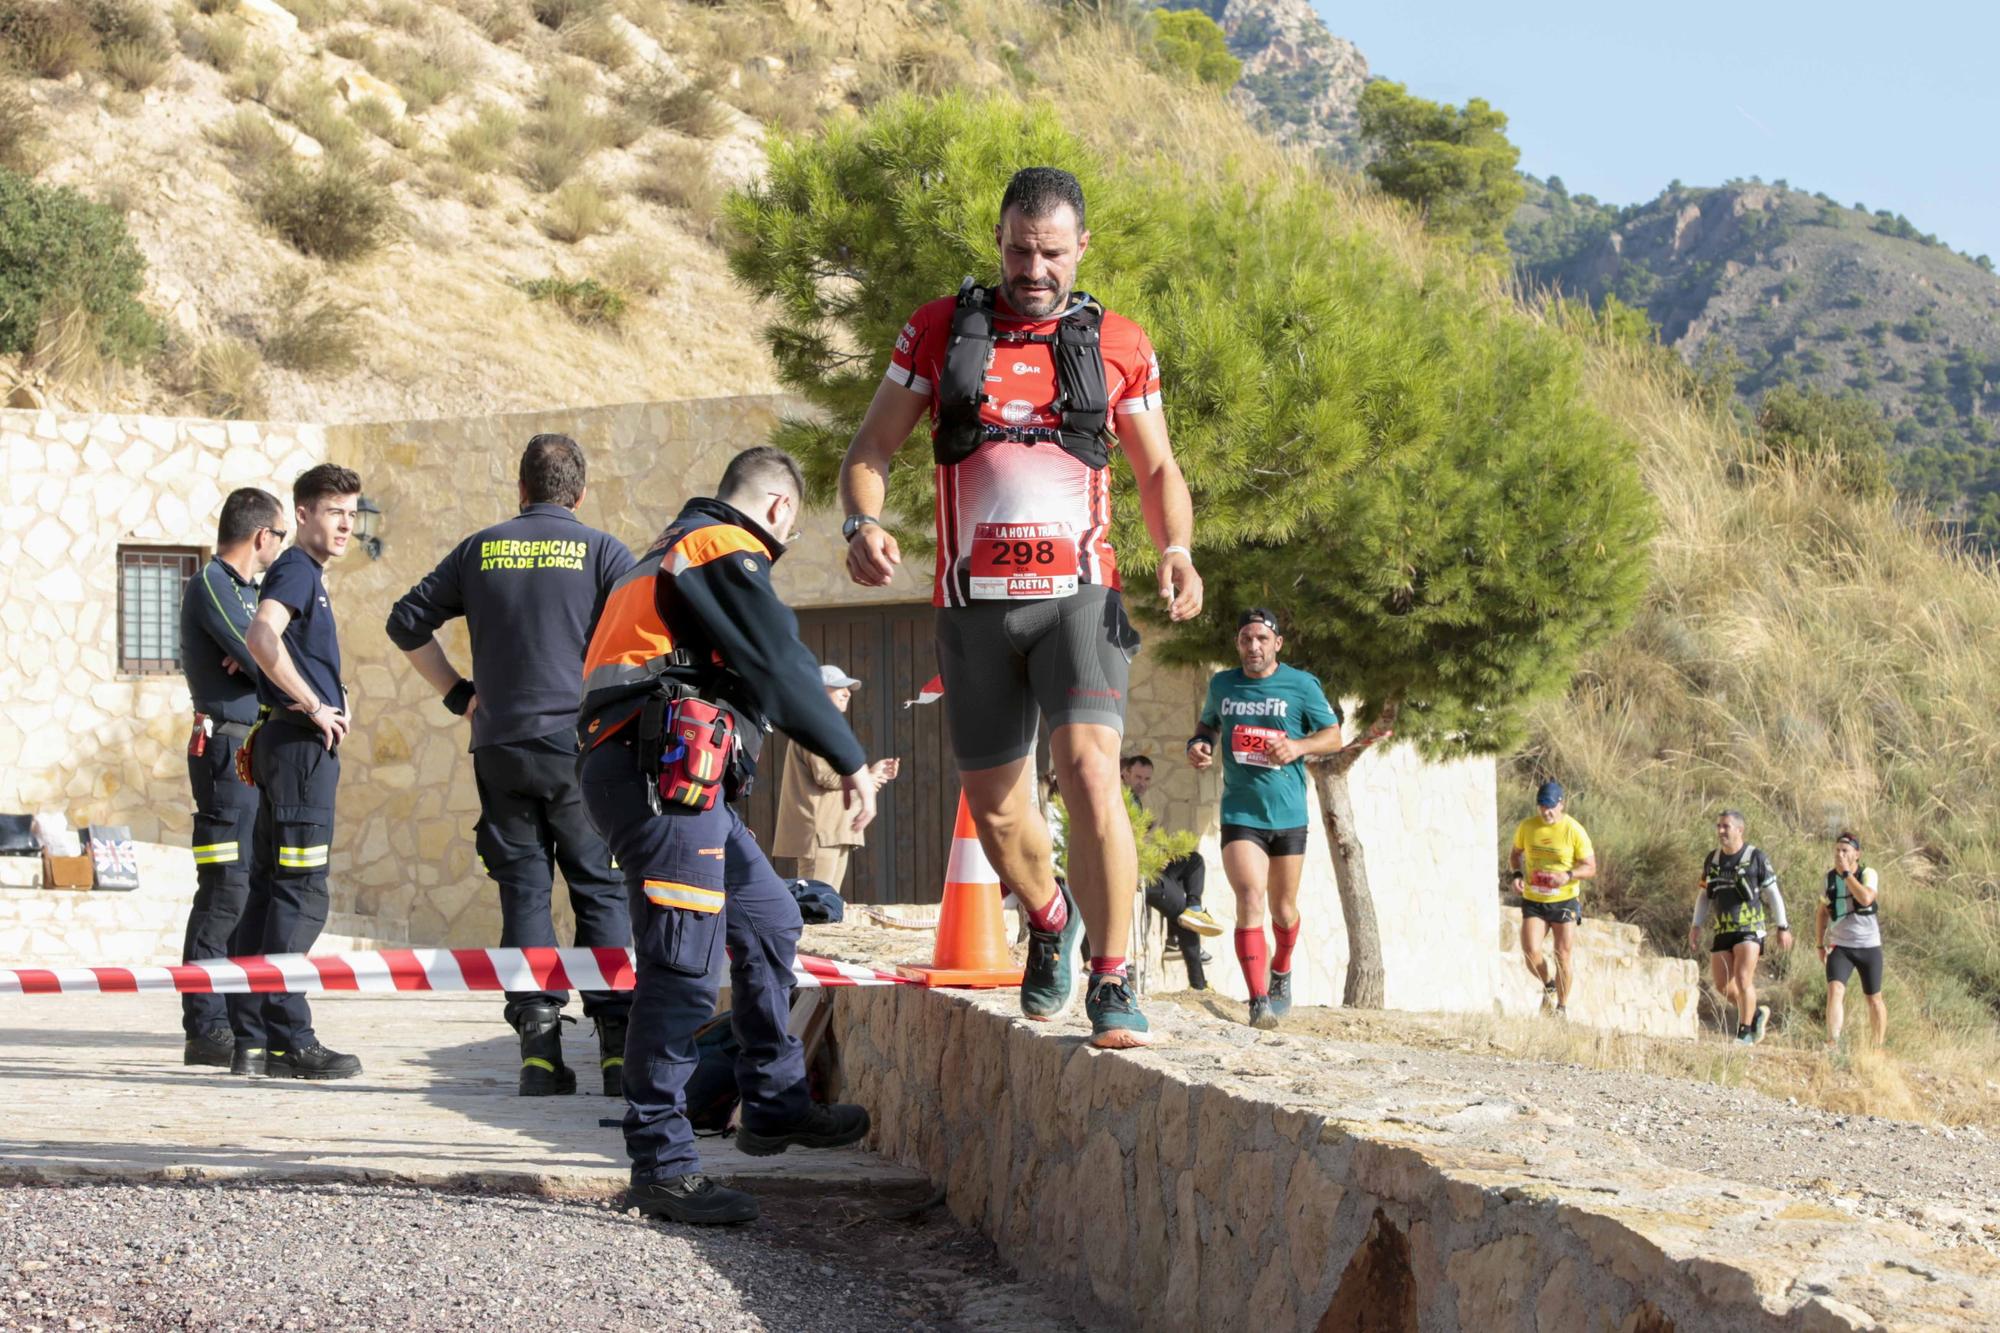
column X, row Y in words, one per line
column 1398, row 463
column 1457, row 166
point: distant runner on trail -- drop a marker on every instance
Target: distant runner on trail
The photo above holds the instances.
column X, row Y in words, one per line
column 1738, row 895
column 1552, row 855
column 1030, row 385
column 1268, row 717
column 1849, row 933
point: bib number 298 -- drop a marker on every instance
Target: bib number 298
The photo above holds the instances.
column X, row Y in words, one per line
column 1023, row 560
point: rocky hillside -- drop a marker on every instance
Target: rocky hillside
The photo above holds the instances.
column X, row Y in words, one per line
column 1300, row 82
column 370, row 209
column 1795, row 287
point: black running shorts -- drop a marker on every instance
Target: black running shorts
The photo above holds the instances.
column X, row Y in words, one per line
column 1274, row 841
column 1846, row 960
column 1007, row 665
column 1569, row 909
column 1729, row 939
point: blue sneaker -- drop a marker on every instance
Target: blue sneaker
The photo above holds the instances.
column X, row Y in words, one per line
column 1115, row 1021
column 1281, row 994
column 1048, row 983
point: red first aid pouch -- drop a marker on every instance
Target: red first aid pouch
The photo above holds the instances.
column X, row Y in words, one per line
column 694, row 756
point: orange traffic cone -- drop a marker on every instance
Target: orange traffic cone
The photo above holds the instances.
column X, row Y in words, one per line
column 971, row 949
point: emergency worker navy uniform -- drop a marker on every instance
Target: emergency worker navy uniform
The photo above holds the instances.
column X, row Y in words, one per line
column 699, row 614
column 1031, row 620
column 1264, row 801
column 296, row 776
column 530, row 590
column 216, row 607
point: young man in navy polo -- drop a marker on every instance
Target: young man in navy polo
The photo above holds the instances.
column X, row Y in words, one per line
column 295, row 762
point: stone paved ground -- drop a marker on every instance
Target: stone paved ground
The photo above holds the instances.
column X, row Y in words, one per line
column 95, row 1083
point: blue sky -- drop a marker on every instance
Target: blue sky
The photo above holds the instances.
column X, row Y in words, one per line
column 1896, row 106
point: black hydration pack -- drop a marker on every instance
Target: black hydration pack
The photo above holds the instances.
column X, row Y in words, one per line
column 1081, row 394
column 1839, row 901
column 1734, row 902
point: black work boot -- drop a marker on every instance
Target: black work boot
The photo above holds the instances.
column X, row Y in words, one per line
column 214, row 1047
column 543, row 1073
column 313, row 1062
column 611, row 1052
column 247, row 1060
column 693, row 1198
column 825, row 1126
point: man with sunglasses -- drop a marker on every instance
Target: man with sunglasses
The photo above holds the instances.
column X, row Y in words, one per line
column 222, row 677
column 530, row 589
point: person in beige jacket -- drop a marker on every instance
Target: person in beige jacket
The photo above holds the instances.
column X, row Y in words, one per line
column 813, row 827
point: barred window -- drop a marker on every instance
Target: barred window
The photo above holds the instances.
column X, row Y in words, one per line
column 150, row 582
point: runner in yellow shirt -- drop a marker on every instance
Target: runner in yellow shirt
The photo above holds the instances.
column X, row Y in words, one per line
column 1552, row 855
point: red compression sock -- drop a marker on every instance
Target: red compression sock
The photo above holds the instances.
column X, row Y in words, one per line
column 1251, row 952
column 1107, row 967
column 1287, row 938
column 1050, row 917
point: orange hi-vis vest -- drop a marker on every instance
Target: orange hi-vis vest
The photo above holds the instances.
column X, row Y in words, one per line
column 634, row 647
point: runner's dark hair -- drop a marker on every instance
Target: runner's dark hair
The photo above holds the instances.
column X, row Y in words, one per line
column 1039, row 191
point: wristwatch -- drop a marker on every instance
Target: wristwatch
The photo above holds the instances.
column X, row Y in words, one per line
column 853, row 524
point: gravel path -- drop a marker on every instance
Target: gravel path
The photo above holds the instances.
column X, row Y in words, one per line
column 368, row 1258
column 1945, row 1181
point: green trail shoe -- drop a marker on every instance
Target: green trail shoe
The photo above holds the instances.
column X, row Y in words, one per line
column 1048, row 983
column 1760, row 1022
column 1281, row 994
column 1260, row 1013
column 1115, row 1021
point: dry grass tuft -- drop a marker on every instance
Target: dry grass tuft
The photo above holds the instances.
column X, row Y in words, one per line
column 481, row 143
column 578, row 211
column 596, row 40
column 556, row 14
column 683, row 106
column 256, row 75
column 313, row 333
column 223, row 378
column 220, row 42
column 679, row 175
column 563, row 132
column 47, row 39
column 635, row 267
column 20, row 131
column 250, row 138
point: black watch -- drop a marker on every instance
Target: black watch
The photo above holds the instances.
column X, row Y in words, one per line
column 853, row 523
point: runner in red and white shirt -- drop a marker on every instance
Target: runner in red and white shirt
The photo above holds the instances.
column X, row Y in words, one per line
column 1031, row 621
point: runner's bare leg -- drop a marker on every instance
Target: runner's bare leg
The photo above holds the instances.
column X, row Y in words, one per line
column 1248, row 869
column 1012, row 831
column 1103, row 862
column 1565, row 943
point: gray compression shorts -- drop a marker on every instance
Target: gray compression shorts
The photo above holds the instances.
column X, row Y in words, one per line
column 1006, row 666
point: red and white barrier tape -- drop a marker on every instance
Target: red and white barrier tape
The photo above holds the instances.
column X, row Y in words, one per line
column 386, row 970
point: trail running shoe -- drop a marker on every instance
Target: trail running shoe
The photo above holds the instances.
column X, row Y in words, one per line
column 1115, row 1021
column 1260, row 1013
column 1048, row 983
column 1199, row 921
column 693, row 1198
column 1548, row 996
column 1760, row 1022
column 1281, row 994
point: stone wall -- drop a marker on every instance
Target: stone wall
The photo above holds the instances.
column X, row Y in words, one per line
column 1619, row 982
column 75, row 733
column 1160, row 1190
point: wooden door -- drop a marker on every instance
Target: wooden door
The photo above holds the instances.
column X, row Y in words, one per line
column 891, row 651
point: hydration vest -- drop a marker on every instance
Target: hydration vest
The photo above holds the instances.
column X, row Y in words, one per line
column 1082, row 396
column 1734, row 902
column 1840, row 902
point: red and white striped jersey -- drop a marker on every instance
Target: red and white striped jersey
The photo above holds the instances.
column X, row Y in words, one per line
column 1020, row 520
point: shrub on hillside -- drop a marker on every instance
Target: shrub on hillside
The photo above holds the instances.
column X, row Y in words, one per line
column 334, row 211
column 480, row 144
column 562, row 133
column 1193, row 45
column 47, row 39
column 585, row 300
column 57, row 245
column 18, row 130
column 685, row 107
column 679, row 176
column 1800, row 424
column 557, row 13
column 312, row 333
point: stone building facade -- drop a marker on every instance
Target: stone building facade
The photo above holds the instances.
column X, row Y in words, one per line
column 79, row 733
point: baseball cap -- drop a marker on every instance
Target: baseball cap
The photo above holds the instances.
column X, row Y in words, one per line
column 1550, row 793
column 834, row 678
column 1258, row 615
